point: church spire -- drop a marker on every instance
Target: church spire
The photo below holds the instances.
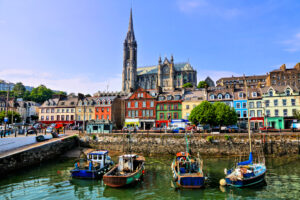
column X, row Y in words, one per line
column 130, row 33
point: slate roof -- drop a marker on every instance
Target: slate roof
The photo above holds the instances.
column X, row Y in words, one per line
column 280, row 89
column 185, row 66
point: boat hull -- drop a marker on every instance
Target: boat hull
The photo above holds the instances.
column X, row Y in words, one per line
column 190, row 182
column 122, row 181
column 88, row 174
column 246, row 182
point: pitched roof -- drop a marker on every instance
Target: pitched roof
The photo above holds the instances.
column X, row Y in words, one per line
column 185, row 66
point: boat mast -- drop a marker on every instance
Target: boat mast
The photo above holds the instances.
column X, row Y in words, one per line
column 246, row 86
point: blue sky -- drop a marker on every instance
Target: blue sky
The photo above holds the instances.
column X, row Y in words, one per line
column 76, row 45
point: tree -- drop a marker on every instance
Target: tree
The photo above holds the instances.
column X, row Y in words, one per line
column 60, row 93
column 187, row 85
column 19, row 90
column 225, row 115
column 41, row 94
column 16, row 116
column 296, row 114
column 203, row 114
column 88, row 95
column 202, row 84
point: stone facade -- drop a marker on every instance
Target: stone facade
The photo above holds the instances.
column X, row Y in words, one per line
column 166, row 75
column 284, row 76
column 252, row 81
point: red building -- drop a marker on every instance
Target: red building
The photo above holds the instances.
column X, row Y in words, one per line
column 140, row 109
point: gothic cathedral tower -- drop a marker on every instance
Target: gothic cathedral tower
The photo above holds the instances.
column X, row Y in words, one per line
column 129, row 75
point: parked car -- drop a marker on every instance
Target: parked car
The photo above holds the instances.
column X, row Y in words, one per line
column 233, row 128
column 178, row 130
column 295, row 126
column 31, row 131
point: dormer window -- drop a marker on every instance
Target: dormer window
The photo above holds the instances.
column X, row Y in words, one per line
column 212, row 97
column 220, row 96
column 80, row 103
column 169, row 97
column 288, row 92
column 177, row 97
column 227, row 96
column 241, row 95
column 270, row 93
column 62, row 103
column 254, row 94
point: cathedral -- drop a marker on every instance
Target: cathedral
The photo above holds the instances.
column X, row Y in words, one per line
column 166, row 75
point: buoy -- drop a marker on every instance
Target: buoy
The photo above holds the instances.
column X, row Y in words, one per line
column 223, row 182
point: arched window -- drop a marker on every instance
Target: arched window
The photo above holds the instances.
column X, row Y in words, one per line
column 212, row 96
column 271, row 93
column 227, row 96
column 220, row 96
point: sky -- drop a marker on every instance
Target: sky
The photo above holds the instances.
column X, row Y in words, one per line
column 77, row 45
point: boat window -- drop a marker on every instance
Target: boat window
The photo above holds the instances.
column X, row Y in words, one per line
column 95, row 157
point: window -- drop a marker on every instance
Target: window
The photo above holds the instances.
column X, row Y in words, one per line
column 276, row 112
column 147, row 113
column 128, row 104
column 139, row 95
column 161, row 116
column 161, row 107
column 288, row 92
column 285, row 112
column 254, row 94
column 238, row 105
column 268, row 113
column 102, row 109
column 136, row 104
column 143, row 113
column 62, row 118
column 175, row 115
column 67, row 110
column 270, row 93
column 169, row 107
column 72, row 110
column 42, row 111
column 241, row 94
column 129, row 114
column 259, row 113
column 142, row 95
column 169, row 97
column 132, row 113
column 258, row 104
column 47, row 111
column 97, row 117
column 275, row 102
column 144, row 104
column 175, row 106
column 238, row 113
column 42, row 118
column 252, row 113
column 244, row 105
column 284, row 102
column 169, row 116
column 62, row 110
column 187, row 107
column 267, row 102
column 107, row 117
column 244, row 113
column 219, row 96
column 52, row 118
column 151, row 104
column 251, row 104
column 52, row 110
column 107, row 109
column 90, row 117
column 293, row 102
column 151, row 113
column 67, row 117
column 212, row 97
column 136, row 113
column 97, row 109
column 227, row 96
column 78, row 117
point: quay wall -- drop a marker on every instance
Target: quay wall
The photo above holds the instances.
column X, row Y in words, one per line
column 35, row 155
column 212, row 145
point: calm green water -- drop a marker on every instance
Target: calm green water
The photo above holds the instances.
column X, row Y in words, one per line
column 52, row 181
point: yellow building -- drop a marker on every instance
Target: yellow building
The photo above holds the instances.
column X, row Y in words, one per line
column 85, row 109
column 191, row 100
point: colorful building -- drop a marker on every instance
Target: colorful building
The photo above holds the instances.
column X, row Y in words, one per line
column 140, row 109
column 221, row 94
column 191, row 100
column 280, row 102
column 168, row 107
column 256, row 110
column 85, row 109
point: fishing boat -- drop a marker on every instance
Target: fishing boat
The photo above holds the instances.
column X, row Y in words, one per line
column 246, row 173
column 187, row 170
column 98, row 163
column 129, row 170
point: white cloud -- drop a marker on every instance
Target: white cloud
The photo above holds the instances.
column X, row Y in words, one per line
column 205, row 7
column 214, row 74
column 293, row 44
column 76, row 83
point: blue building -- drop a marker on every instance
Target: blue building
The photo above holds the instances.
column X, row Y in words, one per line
column 240, row 105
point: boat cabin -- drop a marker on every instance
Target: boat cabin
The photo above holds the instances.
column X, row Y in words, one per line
column 99, row 157
column 183, row 155
column 128, row 162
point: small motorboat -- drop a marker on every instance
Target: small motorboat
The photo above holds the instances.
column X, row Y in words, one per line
column 187, row 171
column 130, row 169
column 246, row 173
column 98, row 163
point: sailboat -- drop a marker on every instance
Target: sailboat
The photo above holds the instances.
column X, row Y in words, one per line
column 246, row 173
column 187, row 170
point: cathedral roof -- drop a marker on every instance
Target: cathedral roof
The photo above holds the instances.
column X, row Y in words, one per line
column 185, row 66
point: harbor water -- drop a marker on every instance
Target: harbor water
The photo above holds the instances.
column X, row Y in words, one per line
column 52, row 181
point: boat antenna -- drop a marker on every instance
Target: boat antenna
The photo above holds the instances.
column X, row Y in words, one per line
column 246, row 87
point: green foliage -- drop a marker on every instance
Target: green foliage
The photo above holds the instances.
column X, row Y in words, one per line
column 88, row 95
column 16, row 116
column 227, row 137
column 19, row 90
column 213, row 114
column 203, row 114
column 296, row 114
column 60, row 93
column 210, row 138
column 202, row 84
column 94, row 137
column 225, row 115
column 187, row 85
column 41, row 94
